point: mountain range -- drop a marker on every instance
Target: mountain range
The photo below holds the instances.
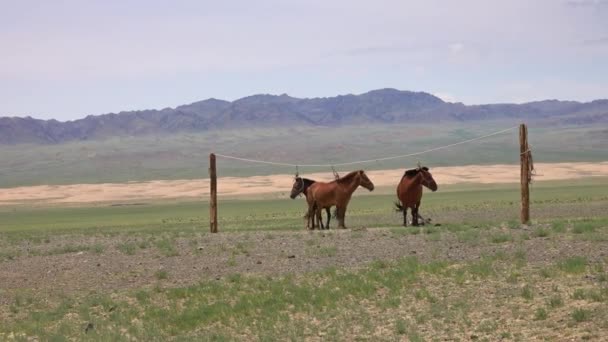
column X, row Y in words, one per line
column 377, row 106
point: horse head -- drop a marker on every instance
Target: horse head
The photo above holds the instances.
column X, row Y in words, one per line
column 427, row 178
column 297, row 188
column 364, row 181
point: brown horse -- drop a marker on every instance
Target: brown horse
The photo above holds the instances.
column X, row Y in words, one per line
column 338, row 193
column 300, row 186
column 409, row 191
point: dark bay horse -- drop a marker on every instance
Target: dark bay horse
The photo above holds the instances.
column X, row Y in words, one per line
column 300, row 186
column 409, row 191
column 338, row 193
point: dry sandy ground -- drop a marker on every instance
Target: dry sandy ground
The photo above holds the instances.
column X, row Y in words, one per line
column 258, row 185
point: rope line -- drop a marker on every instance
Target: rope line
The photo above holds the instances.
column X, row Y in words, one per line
column 368, row 160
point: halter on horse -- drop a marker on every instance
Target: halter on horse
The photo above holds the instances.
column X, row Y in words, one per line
column 300, row 186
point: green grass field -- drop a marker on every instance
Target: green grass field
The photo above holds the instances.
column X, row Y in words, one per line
column 452, row 204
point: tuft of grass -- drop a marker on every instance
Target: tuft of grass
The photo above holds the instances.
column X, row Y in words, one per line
column 482, row 269
column 547, row 272
column 555, row 301
column 470, row 236
column 591, row 295
column 584, row 227
column 142, row 296
column 232, row 261
column 379, row 265
column 581, row 315
column 573, row 265
column 526, row 292
column 578, row 294
column 487, row 326
column 166, row 247
column 127, row 248
column 520, row 258
column 540, row 314
column 97, row 248
column 541, row 232
column 143, row 244
column 501, row 237
column 558, row 226
column 400, row 326
column 513, row 277
column 596, row 296
column 513, row 225
column 161, row 274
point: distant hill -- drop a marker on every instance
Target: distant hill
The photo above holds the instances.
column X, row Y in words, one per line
column 377, row 106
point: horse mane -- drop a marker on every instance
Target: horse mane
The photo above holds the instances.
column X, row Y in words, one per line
column 308, row 182
column 348, row 176
column 413, row 172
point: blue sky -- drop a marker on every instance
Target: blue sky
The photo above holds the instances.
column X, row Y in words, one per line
column 68, row 59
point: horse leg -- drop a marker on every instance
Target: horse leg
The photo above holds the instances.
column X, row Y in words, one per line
column 415, row 216
column 315, row 216
column 311, row 216
column 319, row 218
column 341, row 211
column 404, row 216
column 328, row 212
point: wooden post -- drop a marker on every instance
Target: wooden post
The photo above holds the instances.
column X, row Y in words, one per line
column 524, row 175
column 213, row 194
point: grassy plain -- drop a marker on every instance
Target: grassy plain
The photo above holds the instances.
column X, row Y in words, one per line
column 478, row 276
column 501, row 295
column 185, row 156
column 463, row 203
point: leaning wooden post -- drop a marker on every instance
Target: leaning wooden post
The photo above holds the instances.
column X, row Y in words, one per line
column 525, row 173
column 213, row 194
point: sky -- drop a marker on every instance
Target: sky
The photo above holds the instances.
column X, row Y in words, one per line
column 68, row 59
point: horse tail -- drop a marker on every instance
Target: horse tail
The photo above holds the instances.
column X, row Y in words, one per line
column 398, row 206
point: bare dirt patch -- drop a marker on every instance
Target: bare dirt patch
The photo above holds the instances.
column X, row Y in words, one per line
column 257, row 185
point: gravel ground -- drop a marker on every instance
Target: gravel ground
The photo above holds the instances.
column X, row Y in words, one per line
column 104, row 267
